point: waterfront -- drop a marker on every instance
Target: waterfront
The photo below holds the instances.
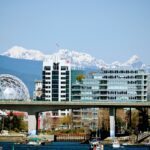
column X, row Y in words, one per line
column 66, row 146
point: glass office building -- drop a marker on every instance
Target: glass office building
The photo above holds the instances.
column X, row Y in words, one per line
column 115, row 85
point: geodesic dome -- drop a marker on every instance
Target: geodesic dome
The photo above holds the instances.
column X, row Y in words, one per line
column 12, row 87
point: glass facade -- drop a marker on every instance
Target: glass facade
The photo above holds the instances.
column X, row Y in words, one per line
column 119, row 85
column 76, row 86
column 75, row 73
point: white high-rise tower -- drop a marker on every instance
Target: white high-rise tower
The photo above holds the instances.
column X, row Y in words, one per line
column 56, row 80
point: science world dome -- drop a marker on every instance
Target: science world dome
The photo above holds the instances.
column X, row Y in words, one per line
column 12, row 88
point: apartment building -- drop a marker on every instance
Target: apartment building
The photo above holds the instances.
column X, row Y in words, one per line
column 116, row 85
column 128, row 85
column 56, row 81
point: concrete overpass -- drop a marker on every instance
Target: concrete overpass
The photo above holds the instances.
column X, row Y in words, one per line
column 34, row 107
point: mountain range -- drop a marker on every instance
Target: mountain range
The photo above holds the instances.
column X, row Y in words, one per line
column 27, row 64
column 74, row 57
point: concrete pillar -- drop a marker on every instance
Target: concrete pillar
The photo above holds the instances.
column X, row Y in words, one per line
column 37, row 117
column 33, row 124
column 112, row 121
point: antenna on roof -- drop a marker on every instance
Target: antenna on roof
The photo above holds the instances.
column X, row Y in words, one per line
column 57, row 45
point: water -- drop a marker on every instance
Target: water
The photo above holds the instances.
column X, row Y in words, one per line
column 65, row 146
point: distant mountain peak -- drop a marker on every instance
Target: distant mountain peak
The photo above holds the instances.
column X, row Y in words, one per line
column 79, row 59
column 22, row 53
column 132, row 60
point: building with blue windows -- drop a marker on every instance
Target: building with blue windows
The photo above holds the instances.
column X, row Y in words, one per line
column 115, row 85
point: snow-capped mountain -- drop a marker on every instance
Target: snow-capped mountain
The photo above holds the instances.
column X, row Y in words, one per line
column 132, row 62
column 75, row 58
column 79, row 59
column 22, row 53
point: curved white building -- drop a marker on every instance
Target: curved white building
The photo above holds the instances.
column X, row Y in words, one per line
column 12, row 88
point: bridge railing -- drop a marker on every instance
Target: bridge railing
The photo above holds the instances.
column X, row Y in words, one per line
column 77, row 101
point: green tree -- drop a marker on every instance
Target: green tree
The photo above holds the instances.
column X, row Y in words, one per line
column 15, row 123
column 66, row 120
column 80, row 77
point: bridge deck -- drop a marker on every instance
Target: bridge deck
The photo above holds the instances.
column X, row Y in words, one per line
column 84, row 104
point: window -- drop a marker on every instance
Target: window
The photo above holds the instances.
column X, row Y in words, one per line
column 47, row 86
column 47, row 68
column 63, row 87
column 47, row 73
column 63, row 73
column 63, row 95
column 64, row 68
column 55, row 86
column 47, row 91
column 63, row 82
column 47, row 82
column 55, row 91
column 63, row 91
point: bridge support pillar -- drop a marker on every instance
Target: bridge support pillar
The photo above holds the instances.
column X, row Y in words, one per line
column 37, row 122
column 33, row 124
column 112, row 115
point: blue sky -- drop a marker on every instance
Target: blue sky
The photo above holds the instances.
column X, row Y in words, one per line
column 107, row 29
